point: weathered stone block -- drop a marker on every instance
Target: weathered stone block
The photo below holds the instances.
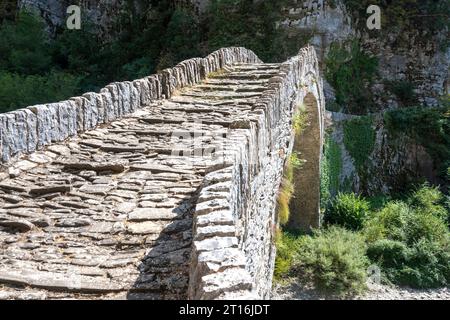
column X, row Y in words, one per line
column 90, row 110
column 215, row 243
column 78, row 105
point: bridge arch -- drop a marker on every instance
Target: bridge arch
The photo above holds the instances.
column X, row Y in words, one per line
column 307, row 148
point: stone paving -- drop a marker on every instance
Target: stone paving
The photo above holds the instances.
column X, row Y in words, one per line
column 108, row 214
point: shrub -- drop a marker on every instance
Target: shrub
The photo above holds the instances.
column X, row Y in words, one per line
column 415, row 121
column 425, row 226
column 404, row 91
column 348, row 210
column 287, row 244
column 400, row 222
column 429, row 200
column 388, row 253
column 284, row 198
column 410, row 240
column 389, row 223
column 251, row 24
column 378, row 202
column 335, row 259
column 24, row 45
column 428, row 266
column 424, row 265
column 181, row 38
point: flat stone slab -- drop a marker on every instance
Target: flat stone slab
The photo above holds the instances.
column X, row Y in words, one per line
column 146, row 214
column 109, row 212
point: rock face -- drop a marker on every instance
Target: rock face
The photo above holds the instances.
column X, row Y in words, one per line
column 100, row 12
column 395, row 161
column 418, row 60
column 160, row 188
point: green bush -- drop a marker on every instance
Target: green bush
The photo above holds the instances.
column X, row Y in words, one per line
column 348, row 210
column 423, row 265
column 400, row 222
column 425, row 226
column 24, row 45
column 286, row 244
column 334, row 259
column 404, row 91
column 429, row 200
column 388, row 253
column 251, row 24
column 181, row 39
column 410, row 240
column 389, row 223
column 18, row 91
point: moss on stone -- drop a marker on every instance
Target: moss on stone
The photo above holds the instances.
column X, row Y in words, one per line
column 359, row 139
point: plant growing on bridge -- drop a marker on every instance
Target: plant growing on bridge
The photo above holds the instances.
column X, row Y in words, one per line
column 284, row 198
column 300, row 120
column 287, row 187
column 295, row 162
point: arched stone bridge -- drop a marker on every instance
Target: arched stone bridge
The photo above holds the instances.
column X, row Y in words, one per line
column 160, row 188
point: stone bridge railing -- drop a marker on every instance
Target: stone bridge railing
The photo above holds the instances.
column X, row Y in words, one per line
column 233, row 250
column 251, row 182
column 27, row 130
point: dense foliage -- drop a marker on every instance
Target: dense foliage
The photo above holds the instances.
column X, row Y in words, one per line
column 351, row 71
column 409, row 239
column 28, row 74
column 139, row 43
column 333, row 259
column 348, row 210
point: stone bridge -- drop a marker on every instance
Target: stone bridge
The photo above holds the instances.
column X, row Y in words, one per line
column 160, row 188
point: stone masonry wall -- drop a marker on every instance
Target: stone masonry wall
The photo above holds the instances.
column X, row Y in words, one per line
column 238, row 201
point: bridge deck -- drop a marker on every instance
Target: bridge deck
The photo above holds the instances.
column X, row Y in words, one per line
column 109, row 214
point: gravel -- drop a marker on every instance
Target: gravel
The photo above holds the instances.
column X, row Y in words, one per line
column 294, row 291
